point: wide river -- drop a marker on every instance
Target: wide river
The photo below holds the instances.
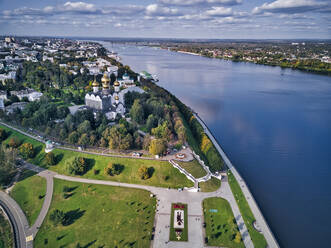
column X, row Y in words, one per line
column 274, row 124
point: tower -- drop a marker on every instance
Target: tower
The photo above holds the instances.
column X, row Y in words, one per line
column 105, row 84
column 116, row 99
column 95, row 86
column 117, row 86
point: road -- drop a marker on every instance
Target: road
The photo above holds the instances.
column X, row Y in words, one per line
column 271, row 240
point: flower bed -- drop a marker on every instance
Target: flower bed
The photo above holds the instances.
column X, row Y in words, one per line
column 178, row 227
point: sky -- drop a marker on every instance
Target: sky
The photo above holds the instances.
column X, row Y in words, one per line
column 206, row 19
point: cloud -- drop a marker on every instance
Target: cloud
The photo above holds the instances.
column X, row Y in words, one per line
column 157, row 10
column 200, row 2
column 81, row 7
column 219, row 11
column 289, row 6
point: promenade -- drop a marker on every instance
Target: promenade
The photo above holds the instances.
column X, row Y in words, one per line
column 271, row 240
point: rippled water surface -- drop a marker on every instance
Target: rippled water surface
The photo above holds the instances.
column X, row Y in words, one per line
column 274, row 124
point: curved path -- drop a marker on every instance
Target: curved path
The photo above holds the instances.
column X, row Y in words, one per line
column 271, row 240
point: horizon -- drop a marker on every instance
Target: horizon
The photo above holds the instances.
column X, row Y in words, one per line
column 189, row 19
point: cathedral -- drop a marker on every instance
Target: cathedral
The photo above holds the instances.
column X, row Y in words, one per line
column 111, row 104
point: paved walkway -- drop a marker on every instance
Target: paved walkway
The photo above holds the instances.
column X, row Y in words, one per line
column 266, row 231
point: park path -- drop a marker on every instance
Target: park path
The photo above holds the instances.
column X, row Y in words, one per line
column 266, row 231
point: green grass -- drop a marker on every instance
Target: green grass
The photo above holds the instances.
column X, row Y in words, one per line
column 29, row 194
column 6, row 235
column 211, row 185
column 184, row 235
column 164, row 175
column 104, row 216
column 257, row 238
column 221, row 227
column 193, row 167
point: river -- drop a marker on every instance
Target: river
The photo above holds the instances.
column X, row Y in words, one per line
column 273, row 123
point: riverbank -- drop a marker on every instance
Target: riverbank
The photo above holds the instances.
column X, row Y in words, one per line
column 271, row 240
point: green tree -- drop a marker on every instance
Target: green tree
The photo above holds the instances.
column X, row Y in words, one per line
column 27, row 151
column 3, row 134
column 73, row 137
column 84, row 140
column 57, row 217
column 157, row 146
column 50, row 158
column 113, row 169
column 151, row 122
column 137, row 112
column 76, row 165
column 84, row 127
column 7, row 165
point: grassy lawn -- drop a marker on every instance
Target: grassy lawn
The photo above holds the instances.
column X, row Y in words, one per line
column 257, row 238
column 163, row 174
column 29, row 194
column 221, row 228
column 211, row 185
column 184, row 231
column 101, row 216
column 6, row 236
column 193, row 167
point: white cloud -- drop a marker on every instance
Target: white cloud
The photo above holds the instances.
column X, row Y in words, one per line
column 219, row 11
column 289, row 6
column 200, row 2
column 157, row 10
column 79, row 6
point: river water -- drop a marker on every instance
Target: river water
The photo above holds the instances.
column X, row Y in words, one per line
column 273, row 123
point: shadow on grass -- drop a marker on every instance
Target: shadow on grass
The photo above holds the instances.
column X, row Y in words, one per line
column 37, row 149
column 73, row 215
column 90, row 163
column 151, row 171
column 58, row 158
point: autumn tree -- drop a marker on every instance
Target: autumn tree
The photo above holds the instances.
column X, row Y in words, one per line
column 50, row 158
column 14, row 142
column 76, row 165
column 26, row 150
column 143, row 172
column 157, row 146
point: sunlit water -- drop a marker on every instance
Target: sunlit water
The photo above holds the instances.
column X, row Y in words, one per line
column 274, row 124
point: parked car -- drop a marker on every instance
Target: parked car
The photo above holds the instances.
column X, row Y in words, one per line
column 136, row 154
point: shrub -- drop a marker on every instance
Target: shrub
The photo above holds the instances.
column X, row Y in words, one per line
column 26, row 150
column 143, row 172
column 50, row 158
column 157, row 146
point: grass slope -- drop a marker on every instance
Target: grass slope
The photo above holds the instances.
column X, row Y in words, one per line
column 221, row 227
column 163, row 174
column 103, row 216
column 211, row 185
column 29, row 194
column 193, row 167
column 257, row 238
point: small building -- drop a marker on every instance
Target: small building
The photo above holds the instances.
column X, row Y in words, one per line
column 16, row 105
column 49, row 146
column 3, row 94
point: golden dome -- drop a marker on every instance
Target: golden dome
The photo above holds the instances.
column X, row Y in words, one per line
column 116, row 83
column 105, row 79
column 95, row 83
column 117, row 98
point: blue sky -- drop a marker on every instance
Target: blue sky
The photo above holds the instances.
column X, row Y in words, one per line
column 238, row 19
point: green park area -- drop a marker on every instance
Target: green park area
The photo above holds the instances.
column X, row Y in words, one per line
column 178, row 233
column 193, row 167
column 29, row 193
column 257, row 238
column 84, row 215
column 160, row 173
column 221, row 227
column 211, row 185
column 6, row 236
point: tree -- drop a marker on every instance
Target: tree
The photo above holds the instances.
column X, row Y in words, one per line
column 143, row 172
column 84, row 140
column 57, row 217
column 14, row 142
column 73, row 137
column 26, row 150
column 76, row 165
column 151, row 122
column 84, row 127
column 7, row 165
column 137, row 112
column 50, row 158
column 157, row 146
column 3, row 134
column 113, row 169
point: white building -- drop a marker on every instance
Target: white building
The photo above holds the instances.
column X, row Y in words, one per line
column 126, row 81
column 31, row 94
column 3, row 95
